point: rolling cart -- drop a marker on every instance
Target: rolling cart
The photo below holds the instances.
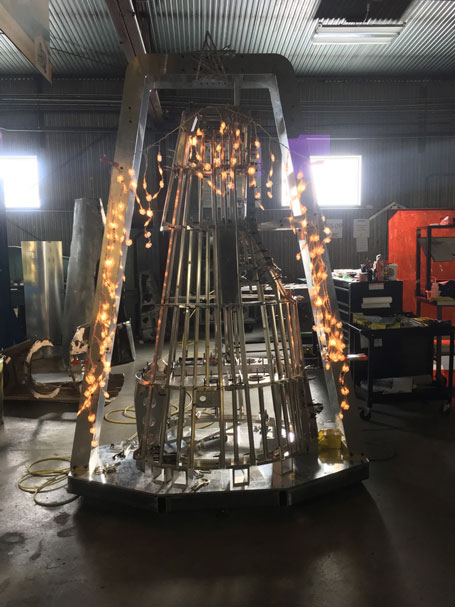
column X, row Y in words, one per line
column 403, row 352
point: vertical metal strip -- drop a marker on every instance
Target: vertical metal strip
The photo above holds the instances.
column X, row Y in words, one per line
column 130, row 138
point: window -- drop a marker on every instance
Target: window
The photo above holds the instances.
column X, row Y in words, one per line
column 20, row 181
column 337, row 180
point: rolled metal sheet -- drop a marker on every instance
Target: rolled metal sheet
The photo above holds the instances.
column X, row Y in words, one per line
column 42, row 264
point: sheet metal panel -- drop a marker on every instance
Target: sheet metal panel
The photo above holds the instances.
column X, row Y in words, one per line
column 43, row 289
column 88, row 229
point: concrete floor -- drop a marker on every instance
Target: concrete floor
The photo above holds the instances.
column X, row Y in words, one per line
column 389, row 541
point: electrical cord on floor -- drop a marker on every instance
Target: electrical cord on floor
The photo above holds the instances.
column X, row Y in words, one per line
column 130, row 409
column 124, row 412
column 53, row 481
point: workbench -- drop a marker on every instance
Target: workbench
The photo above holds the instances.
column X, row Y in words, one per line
column 402, row 352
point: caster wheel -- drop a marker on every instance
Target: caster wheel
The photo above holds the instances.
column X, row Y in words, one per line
column 446, row 408
column 441, row 380
column 365, row 414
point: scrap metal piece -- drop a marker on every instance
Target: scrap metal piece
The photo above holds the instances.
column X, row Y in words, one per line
column 38, row 389
column 20, row 384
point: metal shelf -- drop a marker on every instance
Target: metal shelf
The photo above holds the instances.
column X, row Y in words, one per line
column 426, row 244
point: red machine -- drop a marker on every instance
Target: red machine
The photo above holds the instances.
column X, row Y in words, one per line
column 402, row 251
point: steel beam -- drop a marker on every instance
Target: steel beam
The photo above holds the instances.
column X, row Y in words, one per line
column 124, row 19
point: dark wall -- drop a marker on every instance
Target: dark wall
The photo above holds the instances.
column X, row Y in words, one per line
column 70, row 127
column 405, row 133
column 404, row 130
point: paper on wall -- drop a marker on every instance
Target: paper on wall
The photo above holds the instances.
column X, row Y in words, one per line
column 336, row 225
column 361, row 245
column 361, row 228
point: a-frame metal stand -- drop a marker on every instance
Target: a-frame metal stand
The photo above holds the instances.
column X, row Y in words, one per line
column 153, row 72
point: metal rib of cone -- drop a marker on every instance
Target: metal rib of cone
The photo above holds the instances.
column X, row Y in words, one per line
column 209, row 399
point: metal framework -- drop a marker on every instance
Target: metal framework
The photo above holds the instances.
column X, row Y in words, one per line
column 207, row 401
column 153, row 72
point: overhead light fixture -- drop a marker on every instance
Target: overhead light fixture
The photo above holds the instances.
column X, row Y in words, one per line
column 356, row 34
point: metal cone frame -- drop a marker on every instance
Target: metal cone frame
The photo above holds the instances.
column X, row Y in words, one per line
column 209, row 400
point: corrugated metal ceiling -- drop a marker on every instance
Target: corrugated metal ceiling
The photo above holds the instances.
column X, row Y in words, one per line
column 426, row 45
column 87, row 43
